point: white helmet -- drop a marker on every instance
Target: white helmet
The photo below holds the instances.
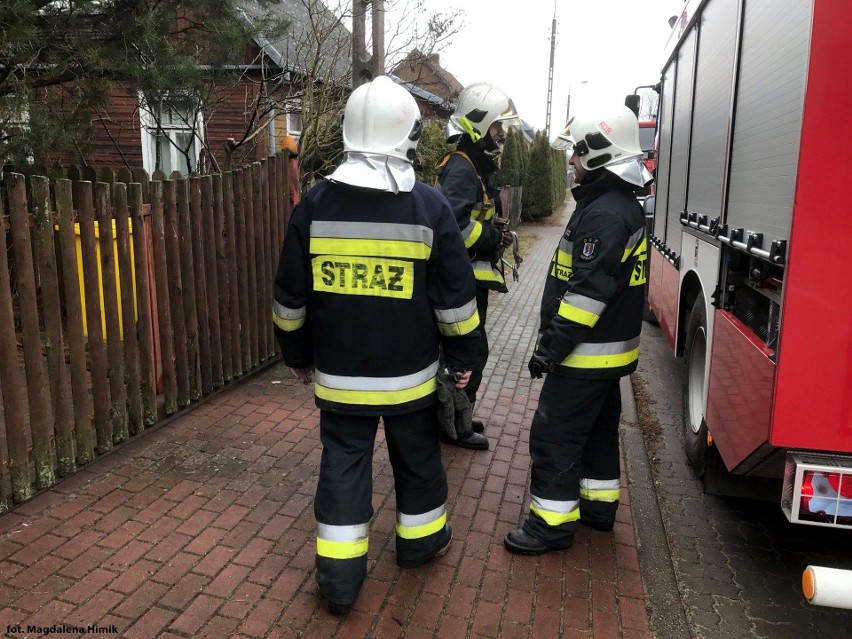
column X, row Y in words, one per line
column 479, row 106
column 602, row 141
column 382, row 118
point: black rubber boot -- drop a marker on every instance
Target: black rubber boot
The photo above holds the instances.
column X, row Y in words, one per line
column 520, row 542
column 478, row 426
column 471, row 440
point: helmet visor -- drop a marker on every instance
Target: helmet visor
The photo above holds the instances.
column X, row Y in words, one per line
column 509, row 116
column 564, row 140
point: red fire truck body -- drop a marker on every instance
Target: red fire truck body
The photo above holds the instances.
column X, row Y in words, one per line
column 753, row 233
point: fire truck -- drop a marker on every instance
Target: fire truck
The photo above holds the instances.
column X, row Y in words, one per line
column 752, row 230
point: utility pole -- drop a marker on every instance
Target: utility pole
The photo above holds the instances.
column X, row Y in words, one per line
column 366, row 68
column 550, row 71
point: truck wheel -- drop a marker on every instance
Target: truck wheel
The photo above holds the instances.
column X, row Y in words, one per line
column 695, row 358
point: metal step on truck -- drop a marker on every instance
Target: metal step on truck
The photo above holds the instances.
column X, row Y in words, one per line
column 752, row 230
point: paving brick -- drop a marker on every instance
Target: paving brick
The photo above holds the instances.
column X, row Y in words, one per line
column 184, row 591
column 243, row 599
column 84, row 589
column 196, row 615
column 227, row 580
column 260, row 619
column 218, row 627
column 131, row 578
column 145, row 598
column 151, row 624
column 486, row 621
column 39, row 571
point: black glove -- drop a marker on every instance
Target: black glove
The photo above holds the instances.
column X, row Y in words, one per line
column 539, row 364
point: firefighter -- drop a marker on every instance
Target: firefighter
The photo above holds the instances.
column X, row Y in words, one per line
column 368, row 289
column 465, row 177
column 591, row 316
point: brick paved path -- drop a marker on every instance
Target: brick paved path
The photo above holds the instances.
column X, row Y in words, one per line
column 205, row 528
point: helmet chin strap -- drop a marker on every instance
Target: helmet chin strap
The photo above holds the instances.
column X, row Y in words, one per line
column 488, row 145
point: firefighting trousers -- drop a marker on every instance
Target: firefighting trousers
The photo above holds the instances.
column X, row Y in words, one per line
column 343, row 505
column 575, row 458
column 482, row 349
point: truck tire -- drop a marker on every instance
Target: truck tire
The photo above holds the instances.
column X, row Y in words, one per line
column 695, row 358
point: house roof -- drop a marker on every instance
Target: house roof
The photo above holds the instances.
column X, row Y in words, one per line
column 315, row 35
column 426, row 72
column 423, row 94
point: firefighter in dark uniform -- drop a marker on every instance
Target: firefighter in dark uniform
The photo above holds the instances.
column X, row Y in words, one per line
column 591, row 316
column 368, row 290
column 465, row 177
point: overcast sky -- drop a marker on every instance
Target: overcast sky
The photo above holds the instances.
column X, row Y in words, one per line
column 604, row 49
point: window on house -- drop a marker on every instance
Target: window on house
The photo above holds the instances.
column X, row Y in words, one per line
column 294, row 124
column 171, row 134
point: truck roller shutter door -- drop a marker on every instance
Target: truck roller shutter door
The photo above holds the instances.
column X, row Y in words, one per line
column 712, row 111
column 664, row 151
column 768, row 116
column 680, row 139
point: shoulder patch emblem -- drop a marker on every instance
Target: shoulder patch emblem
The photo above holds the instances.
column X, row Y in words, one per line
column 589, row 251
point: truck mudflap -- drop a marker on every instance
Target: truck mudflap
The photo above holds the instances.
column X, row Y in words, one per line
column 818, row 489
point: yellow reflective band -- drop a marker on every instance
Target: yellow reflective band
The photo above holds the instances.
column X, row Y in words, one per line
column 467, row 127
column 475, row 232
column 486, row 212
column 287, row 324
column 484, row 272
column 342, row 549
column 631, row 249
column 562, row 263
column 639, row 276
column 553, row 518
column 378, row 248
column 363, row 276
column 574, row 314
column 451, row 329
column 599, row 495
column 424, row 530
column 376, row 397
column 602, row 361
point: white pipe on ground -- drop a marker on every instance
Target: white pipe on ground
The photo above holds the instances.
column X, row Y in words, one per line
column 830, row 587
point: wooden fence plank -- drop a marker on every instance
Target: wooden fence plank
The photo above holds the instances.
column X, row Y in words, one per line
column 41, row 414
column 115, row 350
column 174, row 286
column 253, row 230
column 229, row 187
column 124, row 175
column 265, row 291
column 208, row 239
column 145, row 328
column 128, row 307
column 187, row 270
column 164, row 307
column 140, row 176
column 12, row 383
column 221, row 259
column 57, row 373
column 74, row 324
column 199, row 272
column 94, row 327
column 243, row 266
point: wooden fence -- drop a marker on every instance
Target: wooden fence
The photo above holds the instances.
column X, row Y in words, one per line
column 87, row 364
